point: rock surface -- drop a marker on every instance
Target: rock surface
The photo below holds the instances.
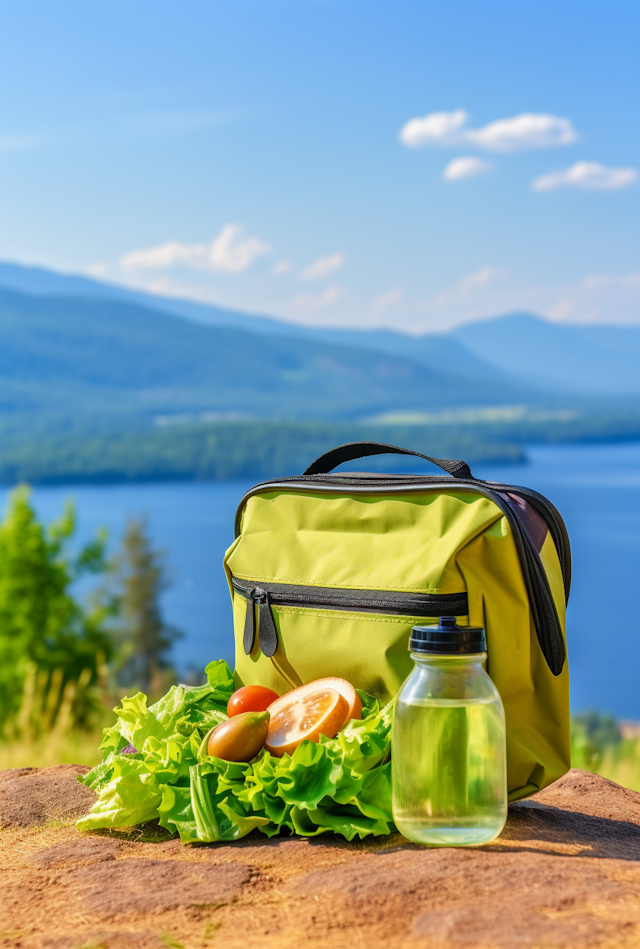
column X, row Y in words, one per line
column 31, row 796
column 564, row 873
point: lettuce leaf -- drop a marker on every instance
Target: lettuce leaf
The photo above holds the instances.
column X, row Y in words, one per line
column 206, row 811
column 166, row 736
column 131, row 796
column 340, row 785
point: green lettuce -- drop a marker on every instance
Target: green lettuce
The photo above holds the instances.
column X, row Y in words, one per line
column 166, row 737
column 156, row 766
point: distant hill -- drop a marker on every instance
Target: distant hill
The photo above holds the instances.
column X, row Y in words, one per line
column 98, row 383
column 436, row 352
column 43, row 282
column 560, row 357
column 76, row 356
column 515, row 357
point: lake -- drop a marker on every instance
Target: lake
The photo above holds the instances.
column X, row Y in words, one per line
column 595, row 488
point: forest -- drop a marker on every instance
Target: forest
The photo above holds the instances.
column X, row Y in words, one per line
column 179, row 448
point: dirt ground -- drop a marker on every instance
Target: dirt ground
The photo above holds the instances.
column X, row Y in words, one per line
column 564, row 873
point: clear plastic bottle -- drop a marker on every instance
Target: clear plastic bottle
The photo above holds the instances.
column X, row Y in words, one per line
column 448, row 750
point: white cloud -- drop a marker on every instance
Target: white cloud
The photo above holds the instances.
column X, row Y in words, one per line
column 437, row 128
column 308, row 303
column 466, row 289
column 282, row 267
column 599, row 298
column 588, row 176
column 467, row 167
column 164, row 255
column 323, row 267
column 227, row 253
column 525, row 131
column 605, row 298
column 386, row 300
column 230, row 254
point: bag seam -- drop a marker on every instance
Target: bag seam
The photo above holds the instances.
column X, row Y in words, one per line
column 348, row 614
column 360, row 586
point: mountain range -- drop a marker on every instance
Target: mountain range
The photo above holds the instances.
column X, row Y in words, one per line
column 71, row 345
column 73, row 355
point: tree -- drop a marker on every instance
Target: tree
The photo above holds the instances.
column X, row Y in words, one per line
column 141, row 576
column 43, row 629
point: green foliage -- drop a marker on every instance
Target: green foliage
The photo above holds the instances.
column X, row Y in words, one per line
column 621, row 763
column 597, row 745
column 138, row 577
column 219, row 451
column 592, row 734
column 50, row 647
column 54, row 652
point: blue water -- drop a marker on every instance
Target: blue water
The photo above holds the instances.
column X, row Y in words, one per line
column 595, row 488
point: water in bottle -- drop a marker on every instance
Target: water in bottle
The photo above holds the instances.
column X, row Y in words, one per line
column 448, row 753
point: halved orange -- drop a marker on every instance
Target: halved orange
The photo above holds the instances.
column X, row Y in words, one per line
column 321, row 707
column 306, row 716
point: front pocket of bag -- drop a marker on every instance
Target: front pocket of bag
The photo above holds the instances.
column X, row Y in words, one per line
column 368, row 648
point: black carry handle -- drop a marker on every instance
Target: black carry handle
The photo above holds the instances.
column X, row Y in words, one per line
column 353, row 450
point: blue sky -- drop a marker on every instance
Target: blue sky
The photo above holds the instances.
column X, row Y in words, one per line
column 413, row 165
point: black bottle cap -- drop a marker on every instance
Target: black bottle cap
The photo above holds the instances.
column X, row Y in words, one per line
column 447, row 638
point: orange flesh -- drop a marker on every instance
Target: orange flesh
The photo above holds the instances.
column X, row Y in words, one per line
column 346, row 690
column 321, row 712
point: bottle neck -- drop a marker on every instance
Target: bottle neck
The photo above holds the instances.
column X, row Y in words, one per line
column 455, row 659
column 450, row 678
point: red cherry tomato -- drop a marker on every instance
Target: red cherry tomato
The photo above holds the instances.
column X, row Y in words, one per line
column 251, row 698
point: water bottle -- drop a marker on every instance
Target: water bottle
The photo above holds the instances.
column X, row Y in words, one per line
column 448, row 754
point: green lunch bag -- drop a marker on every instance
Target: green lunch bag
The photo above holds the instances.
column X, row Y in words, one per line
column 330, row 570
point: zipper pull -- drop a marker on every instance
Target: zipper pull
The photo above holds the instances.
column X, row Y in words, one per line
column 267, row 628
column 249, row 624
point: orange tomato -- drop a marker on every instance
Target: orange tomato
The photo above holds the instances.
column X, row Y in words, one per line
column 251, row 698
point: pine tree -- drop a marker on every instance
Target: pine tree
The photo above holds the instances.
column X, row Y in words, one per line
column 141, row 576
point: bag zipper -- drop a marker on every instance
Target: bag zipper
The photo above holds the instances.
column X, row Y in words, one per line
column 264, row 596
column 543, row 609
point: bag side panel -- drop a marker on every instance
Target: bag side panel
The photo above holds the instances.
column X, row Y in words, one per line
column 536, row 702
column 553, row 570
